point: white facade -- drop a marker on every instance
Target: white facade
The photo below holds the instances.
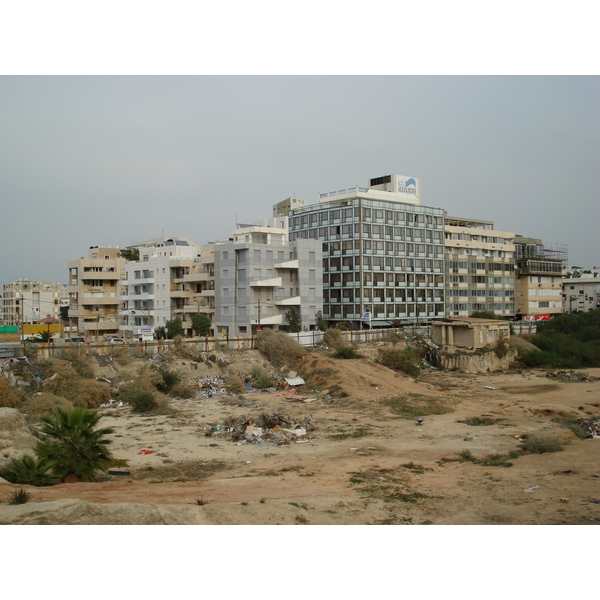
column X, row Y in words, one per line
column 581, row 294
column 259, row 276
column 153, row 288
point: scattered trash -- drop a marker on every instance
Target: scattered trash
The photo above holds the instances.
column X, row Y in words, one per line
column 571, row 376
column 468, row 439
column 295, row 381
column 420, row 421
column 118, row 472
column 302, row 399
column 564, row 499
column 591, row 427
column 275, row 428
column 488, row 387
column 533, row 488
column 146, row 452
column 248, row 462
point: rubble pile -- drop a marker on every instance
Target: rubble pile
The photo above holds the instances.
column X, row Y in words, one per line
column 591, row 427
column 274, row 428
column 571, row 376
column 212, row 386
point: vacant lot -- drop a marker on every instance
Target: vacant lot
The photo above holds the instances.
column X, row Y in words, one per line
column 364, row 458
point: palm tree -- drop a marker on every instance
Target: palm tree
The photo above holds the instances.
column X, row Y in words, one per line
column 75, row 449
column 46, row 336
column 27, row 470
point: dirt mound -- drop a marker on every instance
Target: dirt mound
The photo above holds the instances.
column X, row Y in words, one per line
column 16, row 438
column 359, row 378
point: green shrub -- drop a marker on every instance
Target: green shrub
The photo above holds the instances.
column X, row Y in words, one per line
column 502, row 347
column 404, row 360
column 540, row 445
column 28, row 470
column 73, row 447
column 333, row 337
column 169, row 380
column 234, row 384
column 182, row 390
column 143, row 402
column 346, row 352
column 467, row 455
column 261, row 379
column 279, row 348
column 19, row 497
column 568, row 341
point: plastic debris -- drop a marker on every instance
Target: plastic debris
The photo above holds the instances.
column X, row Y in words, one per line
column 146, row 452
column 488, row 387
column 533, row 488
column 274, row 428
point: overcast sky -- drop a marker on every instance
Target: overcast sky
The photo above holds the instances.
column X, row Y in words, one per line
column 91, row 161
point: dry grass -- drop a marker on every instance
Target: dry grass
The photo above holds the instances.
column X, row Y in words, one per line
column 234, row 384
column 92, row 393
column 279, row 349
column 45, row 403
column 9, row 396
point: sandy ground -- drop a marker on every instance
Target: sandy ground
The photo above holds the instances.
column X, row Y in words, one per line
column 362, row 463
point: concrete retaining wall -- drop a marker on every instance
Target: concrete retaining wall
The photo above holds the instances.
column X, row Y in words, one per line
column 486, row 362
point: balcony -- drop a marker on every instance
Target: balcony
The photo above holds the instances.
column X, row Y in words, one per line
column 273, row 320
column 180, row 293
column 288, row 264
column 197, row 277
column 192, row 309
column 292, row 301
column 273, row 282
column 136, row 297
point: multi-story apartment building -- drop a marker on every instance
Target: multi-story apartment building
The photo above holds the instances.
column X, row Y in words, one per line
column 154, row 289
column 94, row 292
column 480, row 268
column 383, row 252
column 259, row 276
column 26, row 301
column 581, row 294
column 539, row 279
column 200, row 277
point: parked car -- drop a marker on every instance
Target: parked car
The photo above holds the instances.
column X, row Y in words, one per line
column 76, row 340
column 114, row 339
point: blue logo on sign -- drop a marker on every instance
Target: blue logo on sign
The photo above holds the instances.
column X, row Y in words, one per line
column 408, row 187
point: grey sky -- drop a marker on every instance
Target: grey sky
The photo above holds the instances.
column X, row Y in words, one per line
column 91, row 161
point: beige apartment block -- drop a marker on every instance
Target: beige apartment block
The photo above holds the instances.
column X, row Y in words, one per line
column 94, row 292
column 480, row 268
column 200, row 277
column 26, row 301
column 539, row 292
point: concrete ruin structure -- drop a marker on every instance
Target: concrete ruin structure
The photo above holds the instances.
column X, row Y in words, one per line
column 463, row 333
